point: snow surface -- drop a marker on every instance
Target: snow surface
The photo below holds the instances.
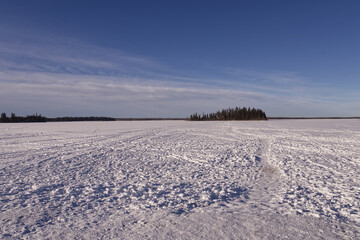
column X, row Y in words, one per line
column 278, row 179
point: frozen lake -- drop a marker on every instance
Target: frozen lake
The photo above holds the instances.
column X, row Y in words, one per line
column 278, row 179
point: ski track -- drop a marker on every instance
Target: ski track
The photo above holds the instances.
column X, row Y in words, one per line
column 177, row 179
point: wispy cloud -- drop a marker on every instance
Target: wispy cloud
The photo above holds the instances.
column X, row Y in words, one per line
column 266, row 77
column 62, row 77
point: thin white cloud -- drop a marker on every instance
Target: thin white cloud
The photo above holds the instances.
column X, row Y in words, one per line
column 51, row 75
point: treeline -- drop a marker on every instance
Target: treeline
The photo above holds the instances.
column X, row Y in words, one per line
column 230, row 114
column 30, row 118
column 75, row 119
column 38, row 118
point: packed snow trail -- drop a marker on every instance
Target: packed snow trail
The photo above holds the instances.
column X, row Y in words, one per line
column 178, row 179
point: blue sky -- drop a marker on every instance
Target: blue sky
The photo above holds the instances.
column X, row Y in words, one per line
column 174, row 58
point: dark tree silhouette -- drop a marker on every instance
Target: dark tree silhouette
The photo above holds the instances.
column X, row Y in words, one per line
column 3, row 117
column 38, row 118
column 231, row 114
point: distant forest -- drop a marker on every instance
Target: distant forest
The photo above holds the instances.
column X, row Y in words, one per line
column 74, row 119
column 30, row 118
column 38, row 118
column 230, row 114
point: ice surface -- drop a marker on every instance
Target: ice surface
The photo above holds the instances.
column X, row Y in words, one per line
column 279, row 179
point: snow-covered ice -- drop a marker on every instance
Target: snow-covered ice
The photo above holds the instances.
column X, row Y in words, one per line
column 278, row 179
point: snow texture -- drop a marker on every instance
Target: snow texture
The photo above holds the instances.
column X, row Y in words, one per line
column 278, row 179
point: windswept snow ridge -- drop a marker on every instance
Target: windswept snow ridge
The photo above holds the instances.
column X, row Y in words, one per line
column 289, row 179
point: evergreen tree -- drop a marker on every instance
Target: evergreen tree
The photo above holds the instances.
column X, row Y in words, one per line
column 231, row 114
column 3, row 117
column 13, row 117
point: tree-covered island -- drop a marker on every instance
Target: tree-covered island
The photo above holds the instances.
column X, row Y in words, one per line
column 230, row 114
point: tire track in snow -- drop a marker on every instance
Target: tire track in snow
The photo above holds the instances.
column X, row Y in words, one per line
column 267, row 182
